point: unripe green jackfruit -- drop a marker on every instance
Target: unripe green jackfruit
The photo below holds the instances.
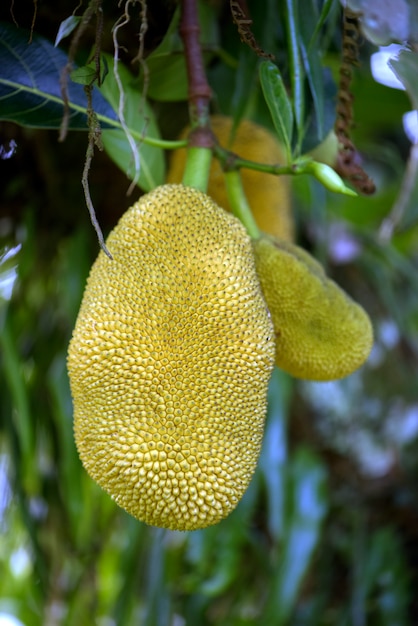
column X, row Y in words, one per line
column 321, row 333
column 170, row 360
column 267, row 195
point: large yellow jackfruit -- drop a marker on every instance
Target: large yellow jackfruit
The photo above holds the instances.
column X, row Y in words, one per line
column 170, row 360
column 321, row 333
column 267, row 195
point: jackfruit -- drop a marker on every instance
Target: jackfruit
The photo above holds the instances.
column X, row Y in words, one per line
column 321, row 333
column 267, row 195
column 170, row 360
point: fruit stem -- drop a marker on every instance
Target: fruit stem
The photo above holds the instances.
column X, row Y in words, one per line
column 239, row 203
column 196, row 171
column 200, row 140
column 230, row 160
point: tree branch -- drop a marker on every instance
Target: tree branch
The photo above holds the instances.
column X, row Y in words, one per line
column 199, row 90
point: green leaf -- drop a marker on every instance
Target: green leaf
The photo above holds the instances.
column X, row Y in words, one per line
column 140, row 121
column 167, row 79
column 244, row 83
column 66, row 28
column 278, row 103
column 30, row 95
column 312, row 62
column 314, row 72
column 325, row 11
column 307, row 505
column 30, row 85
column 274, row 453
column 85, row 75
column 22, row 419
column 297, row 77
column 321, row 106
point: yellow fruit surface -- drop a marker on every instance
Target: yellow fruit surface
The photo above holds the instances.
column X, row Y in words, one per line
column 170, row 360
column 321, row 333
column 268, row 195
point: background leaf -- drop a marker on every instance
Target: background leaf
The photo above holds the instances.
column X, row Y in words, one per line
column 166, row 67
column 306, row 508
column 67, row 26
column 297, row 75
column 30, row 94
column 140, row 121
column 30, row 84
column 278, row 103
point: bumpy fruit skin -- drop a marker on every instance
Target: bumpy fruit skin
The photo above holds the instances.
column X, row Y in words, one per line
column 321, row 333
column 170, row 360
column 268, row 195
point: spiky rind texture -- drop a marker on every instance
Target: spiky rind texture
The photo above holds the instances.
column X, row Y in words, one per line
column 170, row 360
column 321, row 333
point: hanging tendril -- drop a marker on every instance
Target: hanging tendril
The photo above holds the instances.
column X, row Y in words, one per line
column 241, row 17
column 348, row 164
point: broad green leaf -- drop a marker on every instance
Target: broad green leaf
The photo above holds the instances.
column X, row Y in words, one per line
column 140, row 121
column 30, row 85
column 278, row 103
column 167, row 79
column 30, row 95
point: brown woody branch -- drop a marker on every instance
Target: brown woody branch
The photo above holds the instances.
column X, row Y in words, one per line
column 199, row 90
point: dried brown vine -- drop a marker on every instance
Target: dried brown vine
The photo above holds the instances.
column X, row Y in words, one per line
column 241, row 17
column 348, row 160
column 95, row 139
column 94, row 9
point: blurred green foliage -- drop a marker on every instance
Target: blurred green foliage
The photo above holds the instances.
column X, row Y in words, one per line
column 327, row 533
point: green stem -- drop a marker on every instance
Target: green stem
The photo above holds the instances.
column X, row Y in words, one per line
column 196, row 171
column 227, row 158
column 155, row 142
column 165, row 144
column 239, row 203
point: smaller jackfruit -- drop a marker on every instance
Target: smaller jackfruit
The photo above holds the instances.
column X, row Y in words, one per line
column 170, row 360
column 321, row 333
column 267, row 195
